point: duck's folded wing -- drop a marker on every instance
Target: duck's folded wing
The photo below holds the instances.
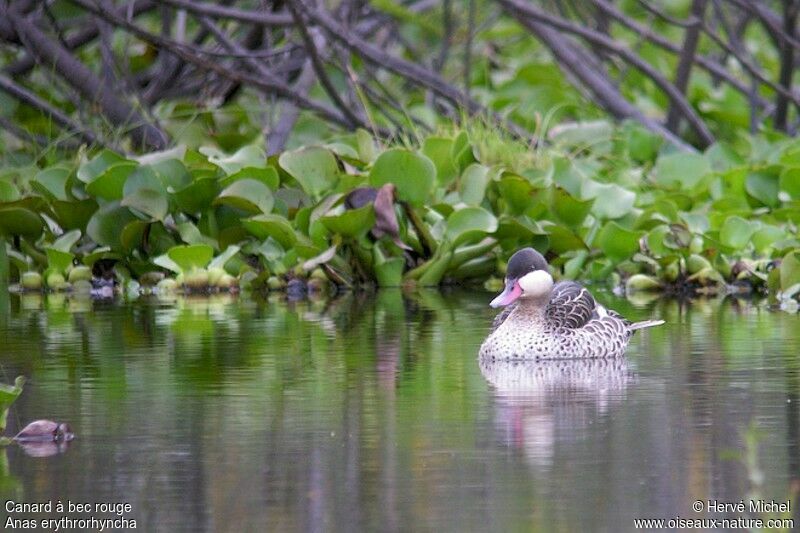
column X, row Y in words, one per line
column 571, row 305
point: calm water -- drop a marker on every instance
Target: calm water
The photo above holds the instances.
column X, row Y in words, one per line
column 373, row 413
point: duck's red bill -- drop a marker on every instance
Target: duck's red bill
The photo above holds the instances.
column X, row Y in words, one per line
column 509, row 295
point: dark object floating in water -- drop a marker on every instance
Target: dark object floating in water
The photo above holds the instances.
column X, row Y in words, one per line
column 45, row 431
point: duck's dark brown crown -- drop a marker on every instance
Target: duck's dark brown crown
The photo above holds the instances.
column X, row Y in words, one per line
column 524, row 261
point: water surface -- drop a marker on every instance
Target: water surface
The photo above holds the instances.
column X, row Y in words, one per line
column 372, row 412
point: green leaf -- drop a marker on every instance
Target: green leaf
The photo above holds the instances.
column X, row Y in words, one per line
column 65, row 242
column 248, row 195
column 790, row 270
column 617, row 242
column 172, row 173
column 148, row 201
column 351, row 223
column 766, row 236
column 58, row 260
column 790, row 182
column 389, row 273
column 20, row 221
column 413, row 174
column 473, row 184
column 275, row 226
column 568, row 209
column 440, row 151
column 736, row 232
column 247, row 156
column 191, row 256
column 106, row 225
column 52, row 182
column 197, row 196
column 8, row 192
column 763, row 186
column 680, row 169
column 268, row 176
column 462, row 152
column 224, row 257
column 517, row 193
column 314, row 168
column 90, row 170
column 74, row 215
column 111, row 182
column 469, row 223
column 610, row 200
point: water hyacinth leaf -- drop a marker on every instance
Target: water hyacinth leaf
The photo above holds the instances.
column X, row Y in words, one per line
column 107, row 223
column 351, row 223
column 516, row 192
column 610, row 200
column 73, row 215
column 736, row 232
column 222, row 259
column 197, row 196
column 617, row 242
column 20, row 221
column 268, row 176
column 247, row 156
column 191, row 256
column 763, row 186
column 413, row 175
column 171, row 172
column 90, row 170
column 319, row 258
column 655, row 240
column 389, row 273
column 470, row 223
column 110, row 184
column 568, row 209
column 766, row 236
column 790, row 270
column 642, row 144
column 684, row 170
column 52, row 182
column 58, row 260
column 66, row 241
column 190, row 234
column 315, row 169
column 149, row 202
column 8, row 394
column 248, row 195
column 132, row 235
column 474, row 181
column 595, row 135
column 366, row 146
column 565, row 175
column 789, row 182
column 440, row 151
column 462, row 153
column 165, row 262
column 275, row 226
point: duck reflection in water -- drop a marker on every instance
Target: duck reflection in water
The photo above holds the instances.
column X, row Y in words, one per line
column 542, row 405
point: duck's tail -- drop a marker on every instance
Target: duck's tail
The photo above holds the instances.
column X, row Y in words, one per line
column 644, row 324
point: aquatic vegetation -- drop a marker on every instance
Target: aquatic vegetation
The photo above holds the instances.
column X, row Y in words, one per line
column 625, row 208
column 8, row 395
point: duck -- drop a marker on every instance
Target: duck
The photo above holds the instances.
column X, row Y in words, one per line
column 543, row 320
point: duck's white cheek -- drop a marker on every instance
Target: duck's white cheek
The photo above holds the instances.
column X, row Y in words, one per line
column 536, row 283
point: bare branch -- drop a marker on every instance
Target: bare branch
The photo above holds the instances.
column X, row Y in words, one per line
column 53, row 54
column 23, row 95
column 687, row 58
column 526, row 12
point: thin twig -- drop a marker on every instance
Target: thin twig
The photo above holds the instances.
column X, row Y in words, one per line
column 686, row 59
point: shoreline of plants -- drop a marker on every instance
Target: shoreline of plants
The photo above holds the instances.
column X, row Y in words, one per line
column 604, row 203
